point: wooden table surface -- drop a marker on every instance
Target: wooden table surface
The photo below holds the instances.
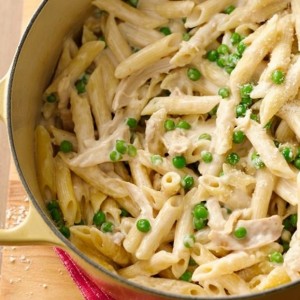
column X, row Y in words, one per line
column 33, row 272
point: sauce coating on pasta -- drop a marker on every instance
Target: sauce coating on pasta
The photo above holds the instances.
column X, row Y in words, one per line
column 168, row 148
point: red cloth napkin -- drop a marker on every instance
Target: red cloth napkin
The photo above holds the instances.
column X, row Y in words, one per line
column 88, row 288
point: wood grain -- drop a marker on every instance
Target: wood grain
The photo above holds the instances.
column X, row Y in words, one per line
column 33, row 272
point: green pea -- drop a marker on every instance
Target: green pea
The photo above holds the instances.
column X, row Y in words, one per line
column 278, row 76
column 56, row 216
column 107, row 227
column 228, row 69
column 186, row 36
column 232, row 158
column 186, row 276
column 276, row 257
column 254, row 117
column 169, row 125
column 240, row 232
column 99, row 218
column 51, row 98
column 132, row 123
column 80, row 86
column 241, row 110
column 245, row 90
column 184, row 125
column 199, row 223
column 221, row 62
column 233, row 59
column 241, row 47
column 207, row 157
column 238, row 137
column 193, row 74
column 165, row 30
column 200, row 211
column 224, row 92
column 213, row 112
column 124, row 213
column 257, row 161
column 115, row 156
column 121, row 146
column 293, row 219
column 223, row 49
column 192, row 262
column 133, row 3
column 287, row 153
column 297, row 163
column 66, row 146
column 247, row 101
column 212, row 55
column 156, row 160
column 298, row 152
column 187, row 182
column 65, row 231
column 179, row 162
column 143, row 225
column 132, row 151
column 52, row 205
column 235, row 38
column 229, row 9
column 205, row 136
column 189, row 241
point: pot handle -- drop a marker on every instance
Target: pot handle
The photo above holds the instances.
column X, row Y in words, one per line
column 32, row 231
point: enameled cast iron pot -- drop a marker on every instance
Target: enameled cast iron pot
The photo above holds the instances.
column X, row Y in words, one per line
column 20, row 95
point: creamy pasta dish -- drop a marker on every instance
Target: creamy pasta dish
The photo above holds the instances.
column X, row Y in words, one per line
column 168, row 149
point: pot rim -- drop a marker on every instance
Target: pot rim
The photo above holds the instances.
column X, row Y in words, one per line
column 66, row 241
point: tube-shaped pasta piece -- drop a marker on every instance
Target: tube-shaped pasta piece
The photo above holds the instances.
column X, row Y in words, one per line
column 290, row 113
column 182, row 105
column 204, row 11
column 184, row 227
column 175, row 10
column 228, row 264
column 253, row 56
column 161, row 227
column 105, row 244
column 280, row 57
column 81, row 237
column 222, row 138
column 230, row 283
column 264, row 145
column 284, row 132
column 97, row 98
column 296, row 11
column 85, row 56
column 198, row 42
column 262, row 194
column 128, row 13
column 115, row 40
column 83, row 120
column 280, row 94
column 65, row 193
column 158, row 262
column 278, row 276
column 287, row 190
column 61, row 135
column 139, row 174
column 138, row 36
column 128, row 87
column 148, row 55
column 45, row 163
column 170, row 183
column 178, row 287
column 98, row 179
